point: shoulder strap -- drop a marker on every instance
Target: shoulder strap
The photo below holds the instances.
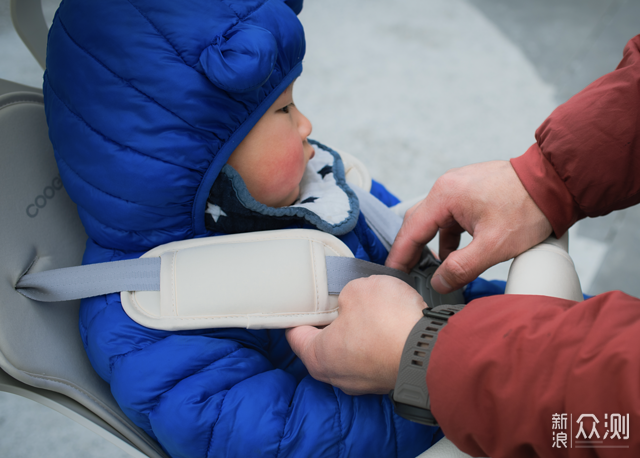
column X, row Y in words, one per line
column 143, row 274
column 269, row 279
column 383, row 221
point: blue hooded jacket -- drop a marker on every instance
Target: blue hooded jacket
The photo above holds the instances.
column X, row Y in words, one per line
column 145, row 101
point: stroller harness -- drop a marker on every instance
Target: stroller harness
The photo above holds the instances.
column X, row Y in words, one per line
column 268, row 279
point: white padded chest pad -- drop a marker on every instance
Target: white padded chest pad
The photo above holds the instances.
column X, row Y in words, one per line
column 268, row 279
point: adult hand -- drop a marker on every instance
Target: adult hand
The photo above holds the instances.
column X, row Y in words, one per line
column 360, row 351
column 488, row 201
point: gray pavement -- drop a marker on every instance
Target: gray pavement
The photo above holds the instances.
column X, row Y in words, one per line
column 415, row 88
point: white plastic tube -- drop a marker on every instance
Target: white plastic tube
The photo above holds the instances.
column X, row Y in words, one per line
column 546, row 270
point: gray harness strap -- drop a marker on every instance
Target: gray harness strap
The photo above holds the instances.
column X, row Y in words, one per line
column 143, row 274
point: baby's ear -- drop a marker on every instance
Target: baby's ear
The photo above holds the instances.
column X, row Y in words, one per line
column 243, row 60
column 295, row 5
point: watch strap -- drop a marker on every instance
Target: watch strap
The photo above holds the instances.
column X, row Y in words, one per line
column 410, row 395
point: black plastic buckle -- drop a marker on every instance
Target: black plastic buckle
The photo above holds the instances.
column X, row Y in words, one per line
column 421, row 277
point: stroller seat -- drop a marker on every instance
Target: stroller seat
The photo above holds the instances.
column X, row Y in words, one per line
column 41, row 353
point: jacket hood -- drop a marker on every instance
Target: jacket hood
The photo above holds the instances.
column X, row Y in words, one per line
column 147, row 99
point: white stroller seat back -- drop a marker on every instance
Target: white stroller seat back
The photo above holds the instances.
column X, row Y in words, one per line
column 41, row 346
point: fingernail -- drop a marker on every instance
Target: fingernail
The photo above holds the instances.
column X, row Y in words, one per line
column 439, row 283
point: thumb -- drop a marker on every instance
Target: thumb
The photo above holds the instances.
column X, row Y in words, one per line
column 301, row 340
column 465, row 265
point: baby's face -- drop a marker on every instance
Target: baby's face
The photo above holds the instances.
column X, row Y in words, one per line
column 273, row 156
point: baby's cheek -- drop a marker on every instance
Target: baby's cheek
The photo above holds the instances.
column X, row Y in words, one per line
column 284, row 172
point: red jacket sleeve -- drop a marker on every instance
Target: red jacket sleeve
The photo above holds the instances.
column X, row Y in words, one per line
column 506, row 364
column 586, row 161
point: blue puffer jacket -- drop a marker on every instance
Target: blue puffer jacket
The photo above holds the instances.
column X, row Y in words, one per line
column 238, row 392
column 135, row 92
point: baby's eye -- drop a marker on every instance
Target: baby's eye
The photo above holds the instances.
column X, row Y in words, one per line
column 285, row 109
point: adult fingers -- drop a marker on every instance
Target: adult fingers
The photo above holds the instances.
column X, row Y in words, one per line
column 420, row 225
column 449, row 240
column 466, row 264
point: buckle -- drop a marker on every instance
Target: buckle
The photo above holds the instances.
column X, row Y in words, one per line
column 421, row 276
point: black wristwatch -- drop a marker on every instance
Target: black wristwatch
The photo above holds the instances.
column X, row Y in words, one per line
column 410, row 396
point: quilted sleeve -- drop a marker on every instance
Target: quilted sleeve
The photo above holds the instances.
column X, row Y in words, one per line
column 220, row 393
column 383, row 194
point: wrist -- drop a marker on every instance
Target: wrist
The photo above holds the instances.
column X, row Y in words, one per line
column 410, row 394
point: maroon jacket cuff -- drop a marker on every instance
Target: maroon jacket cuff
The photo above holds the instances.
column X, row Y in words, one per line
column 547, row 189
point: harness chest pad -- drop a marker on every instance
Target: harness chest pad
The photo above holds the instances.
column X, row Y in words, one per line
column 269, row 279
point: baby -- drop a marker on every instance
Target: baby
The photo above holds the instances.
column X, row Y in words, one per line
column 174, row 120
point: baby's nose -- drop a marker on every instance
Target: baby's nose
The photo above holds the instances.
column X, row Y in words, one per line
column 304, row 126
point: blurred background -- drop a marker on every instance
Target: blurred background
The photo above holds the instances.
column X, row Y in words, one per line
column 414, row 88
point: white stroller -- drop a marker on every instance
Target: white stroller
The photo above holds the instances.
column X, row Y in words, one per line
column 41, row 355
